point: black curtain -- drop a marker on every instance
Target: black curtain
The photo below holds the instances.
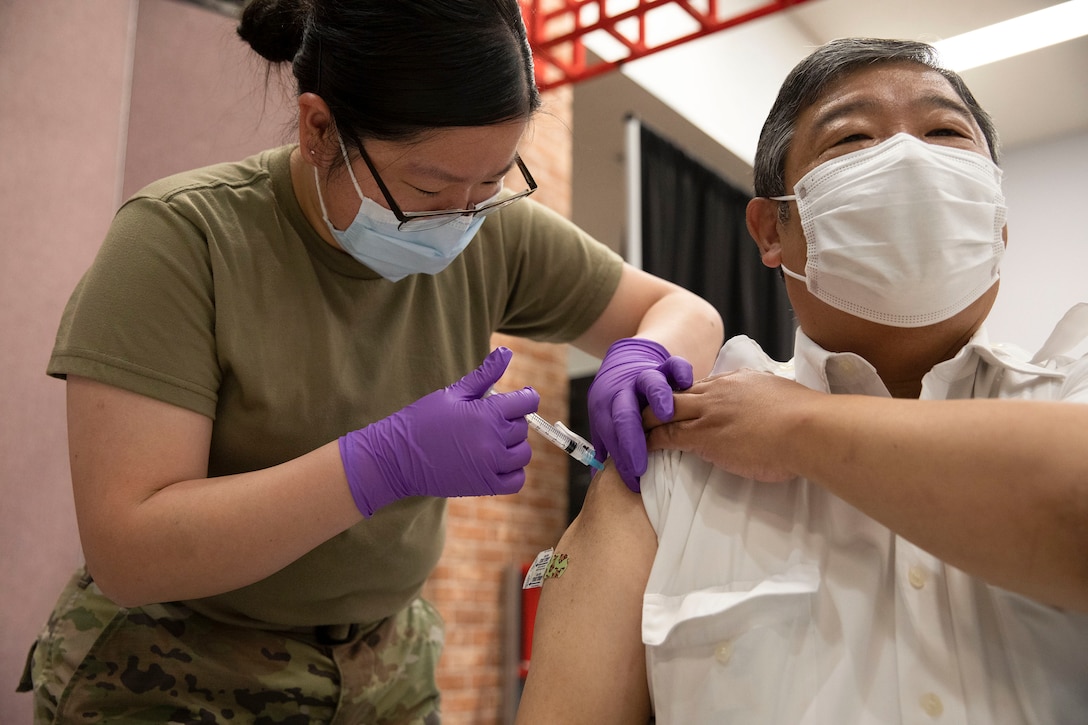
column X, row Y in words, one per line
column 579, row 475
column 694, row 234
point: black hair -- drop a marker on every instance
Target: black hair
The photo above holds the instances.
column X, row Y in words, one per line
column 395, row 69
column 809, row 79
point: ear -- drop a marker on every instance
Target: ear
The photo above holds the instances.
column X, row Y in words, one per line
column 316, row 137
column 762, row 217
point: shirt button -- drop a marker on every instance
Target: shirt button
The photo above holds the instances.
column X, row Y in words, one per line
column 931, row 704
column 723, row 652
column 916, row 575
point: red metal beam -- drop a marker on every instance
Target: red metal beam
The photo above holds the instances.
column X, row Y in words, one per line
column 556, row 30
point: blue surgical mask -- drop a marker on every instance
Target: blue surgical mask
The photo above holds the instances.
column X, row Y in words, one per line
column 374, row 239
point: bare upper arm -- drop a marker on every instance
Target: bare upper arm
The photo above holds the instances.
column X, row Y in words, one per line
column 587, row 640
column 648, row 306
column 123, row 448
column 634, row 296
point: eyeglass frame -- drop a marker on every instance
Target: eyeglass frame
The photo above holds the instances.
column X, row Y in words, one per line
column 408, row 217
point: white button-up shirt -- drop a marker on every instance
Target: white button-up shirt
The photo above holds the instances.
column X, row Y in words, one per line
column 781, row 603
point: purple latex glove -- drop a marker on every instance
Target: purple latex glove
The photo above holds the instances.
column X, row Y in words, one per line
column 448, row 443
column 635, row 372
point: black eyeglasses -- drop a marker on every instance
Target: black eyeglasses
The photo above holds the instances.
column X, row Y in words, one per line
column 421, row 220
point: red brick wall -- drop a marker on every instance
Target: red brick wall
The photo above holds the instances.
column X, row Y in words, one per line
column 486, row 536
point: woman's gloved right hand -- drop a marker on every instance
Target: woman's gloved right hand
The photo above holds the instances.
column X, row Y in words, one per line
column 452, row 442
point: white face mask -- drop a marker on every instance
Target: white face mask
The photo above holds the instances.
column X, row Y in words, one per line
column 374, row 239
column 904, row 233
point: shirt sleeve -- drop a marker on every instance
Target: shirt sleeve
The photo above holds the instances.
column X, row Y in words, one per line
column 560, row 278
column 142, row 317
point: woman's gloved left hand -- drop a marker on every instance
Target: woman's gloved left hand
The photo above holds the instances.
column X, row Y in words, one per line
column 635, row 372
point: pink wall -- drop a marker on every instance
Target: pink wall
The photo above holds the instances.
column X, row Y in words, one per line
column 62, row 70
column 199, row 94
column 67, row 72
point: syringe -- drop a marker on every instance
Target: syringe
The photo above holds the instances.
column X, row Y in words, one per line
column 577, row 446
column 563, row 437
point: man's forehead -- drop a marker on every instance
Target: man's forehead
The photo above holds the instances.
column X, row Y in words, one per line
column 863, row 104
column 902, row 86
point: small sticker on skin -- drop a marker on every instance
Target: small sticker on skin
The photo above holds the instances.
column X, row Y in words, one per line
column 557, row 566
column 535, row 576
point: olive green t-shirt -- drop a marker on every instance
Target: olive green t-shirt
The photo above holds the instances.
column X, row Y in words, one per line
column 212, row 292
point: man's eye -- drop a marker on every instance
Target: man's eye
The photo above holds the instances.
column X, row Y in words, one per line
column 851, row 138
column 944, row 132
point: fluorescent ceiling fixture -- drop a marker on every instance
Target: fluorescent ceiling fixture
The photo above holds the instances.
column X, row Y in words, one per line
column 1024, row 34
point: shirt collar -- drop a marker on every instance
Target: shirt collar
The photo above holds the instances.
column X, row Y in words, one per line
column 846, row 372
column 834, row 372
column 1000, row 355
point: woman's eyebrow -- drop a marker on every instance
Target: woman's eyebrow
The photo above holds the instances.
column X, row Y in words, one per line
column 447, row 176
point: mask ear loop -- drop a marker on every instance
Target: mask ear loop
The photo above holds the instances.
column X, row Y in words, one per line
column 790, row 273
column 354, row 182
column 321, row 199
column 351, row 173
column 786, row 270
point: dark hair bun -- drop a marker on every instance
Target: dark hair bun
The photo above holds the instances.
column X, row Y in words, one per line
column 273, row 28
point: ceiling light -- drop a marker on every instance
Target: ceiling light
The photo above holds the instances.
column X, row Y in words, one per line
column 1026, row 33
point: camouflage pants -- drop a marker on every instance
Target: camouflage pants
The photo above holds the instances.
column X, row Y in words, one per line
column 96, row 662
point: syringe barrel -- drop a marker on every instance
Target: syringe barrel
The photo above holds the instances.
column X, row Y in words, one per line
column 547, row 430
column 577, row 447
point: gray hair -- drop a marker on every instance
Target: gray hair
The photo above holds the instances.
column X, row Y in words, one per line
column 809, row 79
